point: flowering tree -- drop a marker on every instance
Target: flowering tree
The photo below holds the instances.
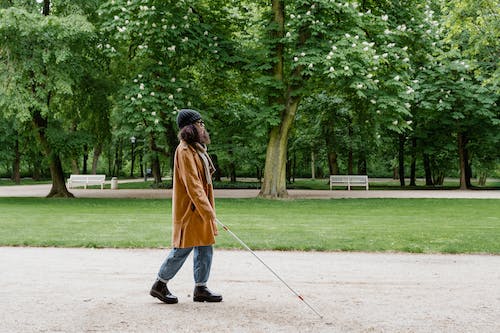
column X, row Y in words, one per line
column 160, row 51
column 355, row 49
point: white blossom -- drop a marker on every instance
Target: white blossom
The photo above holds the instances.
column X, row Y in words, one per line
column 141, row 86
column 157, row 121
column 395, row 122
column 396, row 78
column 295, row 59
column 172, row 79
column 116, row 18
column 331, row 69
column 139, row 96
column 373, row 101
column 346, row 68
column 170, row 97
column 385, row 17
column 302, row 54
column 153, row 113
column 311, row 66
column 152, row 93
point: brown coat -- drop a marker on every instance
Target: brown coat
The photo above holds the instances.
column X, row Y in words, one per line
column 193, row 208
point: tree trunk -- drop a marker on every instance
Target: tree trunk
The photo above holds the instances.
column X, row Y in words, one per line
column 95, row 158
column 362, row 164
column 401, row 160
column 274, row 184
column 156, row 169
column 413, row 165
column 85, row 159
column 427, row 170
column 56, row 171
column 462, row 154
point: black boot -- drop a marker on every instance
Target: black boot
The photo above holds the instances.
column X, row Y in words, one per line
column 160, row 291
column 203, row 294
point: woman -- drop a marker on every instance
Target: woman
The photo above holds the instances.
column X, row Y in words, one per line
column 193, row 211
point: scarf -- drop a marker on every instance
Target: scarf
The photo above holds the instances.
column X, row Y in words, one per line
column 207, row 161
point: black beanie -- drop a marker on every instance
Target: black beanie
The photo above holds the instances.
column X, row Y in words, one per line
column 187, row 117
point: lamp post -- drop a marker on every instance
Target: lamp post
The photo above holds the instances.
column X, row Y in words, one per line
column 133, row 140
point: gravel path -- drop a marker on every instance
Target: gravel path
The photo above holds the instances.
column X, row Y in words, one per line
column 107, row 290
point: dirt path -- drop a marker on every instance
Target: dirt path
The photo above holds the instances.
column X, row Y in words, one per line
column 90, row 290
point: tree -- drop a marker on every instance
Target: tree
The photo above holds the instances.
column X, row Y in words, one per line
column 161, row 51
column 342, row 43
column 42, row 59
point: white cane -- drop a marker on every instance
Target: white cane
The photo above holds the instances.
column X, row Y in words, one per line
column 269, row 268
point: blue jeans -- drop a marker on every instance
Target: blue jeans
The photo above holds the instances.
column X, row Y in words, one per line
column 202, row 262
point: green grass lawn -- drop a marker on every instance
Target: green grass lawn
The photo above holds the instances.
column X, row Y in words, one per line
column 406, row 225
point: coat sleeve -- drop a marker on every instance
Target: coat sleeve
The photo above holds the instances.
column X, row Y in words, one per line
column 193, row 181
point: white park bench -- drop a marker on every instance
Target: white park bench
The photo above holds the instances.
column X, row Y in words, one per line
column 349, row 180
column 75, row 180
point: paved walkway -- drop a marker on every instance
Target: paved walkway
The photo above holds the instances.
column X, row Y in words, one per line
column 43, row 190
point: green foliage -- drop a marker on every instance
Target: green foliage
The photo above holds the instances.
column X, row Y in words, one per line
column 365, row 73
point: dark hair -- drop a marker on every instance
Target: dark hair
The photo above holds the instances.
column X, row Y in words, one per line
column 190, row 134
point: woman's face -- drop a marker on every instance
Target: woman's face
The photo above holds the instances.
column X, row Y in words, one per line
column 202, row 132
